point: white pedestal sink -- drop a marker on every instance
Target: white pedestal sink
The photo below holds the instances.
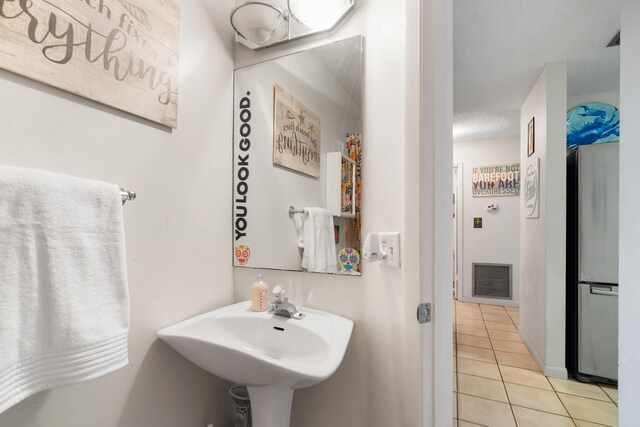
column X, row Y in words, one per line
column 272, row 355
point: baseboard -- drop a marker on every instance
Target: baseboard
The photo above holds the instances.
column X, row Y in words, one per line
column 556, row 371
column 489, row 301
column 549, row 371
column 532, row 349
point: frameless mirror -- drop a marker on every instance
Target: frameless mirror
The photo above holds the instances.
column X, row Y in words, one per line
column 297, row 161
column 264, row 23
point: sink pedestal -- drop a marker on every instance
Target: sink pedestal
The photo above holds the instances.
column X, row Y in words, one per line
column 271, row 405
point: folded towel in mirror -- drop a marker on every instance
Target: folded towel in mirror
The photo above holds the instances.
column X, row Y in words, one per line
column 298, row 223
column 319, row 242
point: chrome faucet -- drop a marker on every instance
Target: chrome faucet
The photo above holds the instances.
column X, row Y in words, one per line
column 280, row 306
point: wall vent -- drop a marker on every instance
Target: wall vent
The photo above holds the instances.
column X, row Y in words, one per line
column 493, row 281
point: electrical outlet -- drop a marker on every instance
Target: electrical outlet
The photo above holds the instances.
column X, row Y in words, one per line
column 390, row 244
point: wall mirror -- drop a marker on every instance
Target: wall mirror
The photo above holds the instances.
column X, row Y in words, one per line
column 298, row 160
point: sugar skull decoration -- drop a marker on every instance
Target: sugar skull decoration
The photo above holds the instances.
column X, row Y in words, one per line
column 348, row 259
column 242, row 254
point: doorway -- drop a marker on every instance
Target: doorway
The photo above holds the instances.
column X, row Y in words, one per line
column 497, row 109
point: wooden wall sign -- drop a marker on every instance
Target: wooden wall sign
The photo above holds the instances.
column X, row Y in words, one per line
column 296, row 134
column 122, row 53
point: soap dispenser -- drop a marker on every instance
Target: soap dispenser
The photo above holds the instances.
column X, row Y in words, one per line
column 259, row 294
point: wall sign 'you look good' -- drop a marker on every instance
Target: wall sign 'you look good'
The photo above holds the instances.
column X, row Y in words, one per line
column 122, row 53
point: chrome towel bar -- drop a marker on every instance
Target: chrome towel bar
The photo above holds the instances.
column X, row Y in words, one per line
column 127, row 195
column 293, row 211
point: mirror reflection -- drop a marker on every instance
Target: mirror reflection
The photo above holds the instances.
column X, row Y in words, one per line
column 297, row 161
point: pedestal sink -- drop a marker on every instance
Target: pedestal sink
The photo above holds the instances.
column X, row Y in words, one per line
column 272, row 355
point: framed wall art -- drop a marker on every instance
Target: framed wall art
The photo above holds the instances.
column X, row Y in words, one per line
column 296, row 134
column 532, row 190
column 496, row 180
column 531, row 137
column 592, row 123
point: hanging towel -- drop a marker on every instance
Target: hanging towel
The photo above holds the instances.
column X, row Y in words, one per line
column 64, row 301
column 298, row 223
column 319, row 242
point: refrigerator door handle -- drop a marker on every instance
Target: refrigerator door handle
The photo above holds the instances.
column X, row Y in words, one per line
column 600, row 291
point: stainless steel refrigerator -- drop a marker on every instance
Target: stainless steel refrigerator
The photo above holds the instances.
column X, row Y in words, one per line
column 592, row 262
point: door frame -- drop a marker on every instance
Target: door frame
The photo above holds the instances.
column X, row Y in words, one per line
column 628, row 314
column 459, row 212
column 435, row 145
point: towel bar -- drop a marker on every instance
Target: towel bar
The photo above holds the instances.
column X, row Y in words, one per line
column 293, row 211
column 127, row 195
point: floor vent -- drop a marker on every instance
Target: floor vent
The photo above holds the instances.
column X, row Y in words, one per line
column 492, row 281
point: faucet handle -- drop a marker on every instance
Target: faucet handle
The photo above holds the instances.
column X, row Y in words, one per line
column 278, row 294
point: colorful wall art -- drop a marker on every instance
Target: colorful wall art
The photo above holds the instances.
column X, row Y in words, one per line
column 354, row 152
column 592, row 123
column 122, row 53
column 496, row 180
column 296, row 134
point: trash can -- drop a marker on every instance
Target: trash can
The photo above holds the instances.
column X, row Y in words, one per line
column 242, row 412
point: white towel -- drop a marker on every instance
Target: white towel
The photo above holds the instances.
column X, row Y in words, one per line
column 319, row 242
column 298, row 223
column 64, row 301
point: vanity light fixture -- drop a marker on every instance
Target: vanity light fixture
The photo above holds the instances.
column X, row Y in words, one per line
column 262, row 23
column 259, row 23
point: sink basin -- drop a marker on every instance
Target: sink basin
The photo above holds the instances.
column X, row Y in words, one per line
column 272, row 355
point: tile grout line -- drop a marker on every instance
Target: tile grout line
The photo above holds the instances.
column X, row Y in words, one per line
column 504, row 387
column 455, row 330
column 491, row 342
column 457, row 375
column 549, row 382
column 603, row 390
column 487, row 398
column 552, row 389
column 580, row 396
column 545, row 412
column 561, row 402
column 511, row 382
column 524, row 385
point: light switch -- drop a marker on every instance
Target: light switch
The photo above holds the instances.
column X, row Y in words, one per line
column 390, row 244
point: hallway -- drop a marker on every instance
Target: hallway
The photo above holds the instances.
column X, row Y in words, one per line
column 498, row 383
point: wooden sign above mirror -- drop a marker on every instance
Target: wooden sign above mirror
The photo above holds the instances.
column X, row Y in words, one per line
column 298, row 144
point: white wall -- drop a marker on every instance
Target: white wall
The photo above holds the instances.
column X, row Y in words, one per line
column 379, row 381
column 629, row 315
column 543, row 240
column 498, row 241
column 610, row 97
column 178, row 231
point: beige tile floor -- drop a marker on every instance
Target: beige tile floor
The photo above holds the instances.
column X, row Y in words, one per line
column 497, row 383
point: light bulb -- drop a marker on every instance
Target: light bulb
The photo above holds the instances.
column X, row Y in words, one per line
column 319, row 15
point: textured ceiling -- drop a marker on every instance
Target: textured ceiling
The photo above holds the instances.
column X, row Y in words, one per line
column 501, row 46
